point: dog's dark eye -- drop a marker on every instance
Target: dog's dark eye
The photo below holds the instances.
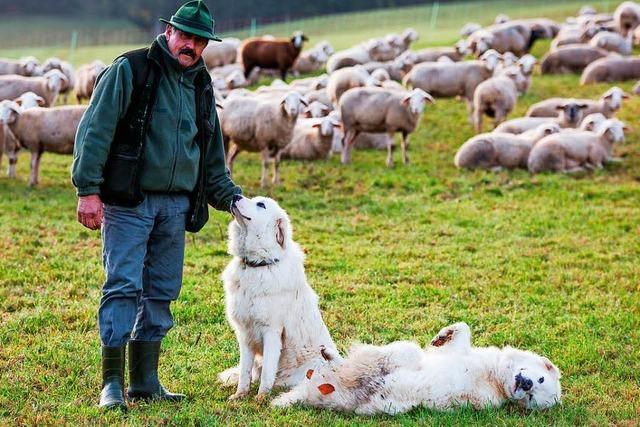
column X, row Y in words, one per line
column 541, row 380
column 261, row 205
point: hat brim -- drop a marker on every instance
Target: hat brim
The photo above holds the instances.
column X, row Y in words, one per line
column 191, row 30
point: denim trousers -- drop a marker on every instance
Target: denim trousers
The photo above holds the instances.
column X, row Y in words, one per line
column 143, row 255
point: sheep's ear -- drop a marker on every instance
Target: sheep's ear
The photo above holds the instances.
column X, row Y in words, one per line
column 40, row 100
column 280, row 232
column 305, row 38
column 326, row 389
column 219, row 105
column 405, row 100
column 303, row 101
column 18, row 101
column 582, row 106
column 627, row 128
column 315, row 125
column 625, row 95
column 560, row 107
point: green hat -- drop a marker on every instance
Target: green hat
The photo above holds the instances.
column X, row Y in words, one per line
column 194, row 18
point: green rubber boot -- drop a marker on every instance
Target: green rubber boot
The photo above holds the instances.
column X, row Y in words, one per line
column 143, row 373
column 112, row 395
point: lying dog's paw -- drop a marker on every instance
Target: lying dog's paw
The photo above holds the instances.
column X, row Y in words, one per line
column 458, row 335
column 238, row 395
column 285, row 400
column 443, row 337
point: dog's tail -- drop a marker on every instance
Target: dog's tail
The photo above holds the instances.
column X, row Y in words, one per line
column 229, row 377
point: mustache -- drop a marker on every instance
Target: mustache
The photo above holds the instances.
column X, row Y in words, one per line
column 187, row 51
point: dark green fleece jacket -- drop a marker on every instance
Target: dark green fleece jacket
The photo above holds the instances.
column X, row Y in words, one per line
column 171, row 152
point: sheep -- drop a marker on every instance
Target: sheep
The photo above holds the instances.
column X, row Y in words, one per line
column 574, row 34
column 86, row 76
column 570, row 115
column 570, row 152
column 312, row 83
column 260, row 124
column 544, row 28
column 381, row 111
column 608, row 104
column 501, row 19
column 357, row 55
column 508, row 37
column 497, row 150
column 27, row 66
column 364, row 140
column 217, row 54
column 311, row 140
column 610, row 69
column 613, row 42
column 277, row 54
column 450, row 80
column 344, row 79
column 591, row 122
column 47, row 86
column 396, row 69
column 317, row 109
column 571, row 59
column 497, row 96
column 66, row 69
column 469, row 28
column 29, row 100
column 627, row 17
column 8, row 142
column 309, row 61
column 431, row 54
column 319, row 95
column 45, row 129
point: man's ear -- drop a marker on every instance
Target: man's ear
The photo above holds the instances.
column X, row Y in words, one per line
column 280, row 232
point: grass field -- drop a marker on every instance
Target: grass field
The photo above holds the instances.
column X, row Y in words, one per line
column 548, row 263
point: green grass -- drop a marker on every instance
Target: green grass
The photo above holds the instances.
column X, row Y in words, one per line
column 548, row 263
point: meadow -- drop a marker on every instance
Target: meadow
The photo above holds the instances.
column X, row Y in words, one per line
column 546, row 262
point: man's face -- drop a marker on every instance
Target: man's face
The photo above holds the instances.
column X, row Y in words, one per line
column 186, row 48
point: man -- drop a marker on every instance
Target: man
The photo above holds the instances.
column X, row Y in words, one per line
column 148, row 157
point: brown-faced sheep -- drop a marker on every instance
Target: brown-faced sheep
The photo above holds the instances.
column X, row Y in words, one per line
column 277, row 54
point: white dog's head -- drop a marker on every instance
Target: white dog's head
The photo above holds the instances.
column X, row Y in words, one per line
column 531, row 380
column 260, row 231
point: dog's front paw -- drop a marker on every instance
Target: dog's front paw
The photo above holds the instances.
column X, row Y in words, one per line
column 457, row 334
column 238, row 395
column 285, row 400
column 261, row 396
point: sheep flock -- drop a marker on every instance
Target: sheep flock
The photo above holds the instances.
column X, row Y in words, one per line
column 372, row 91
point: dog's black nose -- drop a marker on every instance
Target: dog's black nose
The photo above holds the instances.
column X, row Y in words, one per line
column 523, row 382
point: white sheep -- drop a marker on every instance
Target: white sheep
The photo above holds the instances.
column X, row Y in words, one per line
column 627, row 17
column 217, row 54
column 572, row 58
column 497, row 96
column 65, row 68
column 608, row 104
column 497, row 150
column 570, row 152
column 312, row 139
column 45, row 129
column 591, row 122
column 381, row 111
column 317, row 109
column 469, row 28
column 344, row 79
column 47, row 86
column 613, row 42
column 610, row 69
column 260, row 125
column 85, row 78
column 570, row 115
column 27, row 66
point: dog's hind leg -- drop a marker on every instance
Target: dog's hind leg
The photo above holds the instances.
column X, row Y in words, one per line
column 272, row 346
column 456, row 336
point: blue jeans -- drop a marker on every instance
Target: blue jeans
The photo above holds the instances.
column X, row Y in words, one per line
column 143, row 254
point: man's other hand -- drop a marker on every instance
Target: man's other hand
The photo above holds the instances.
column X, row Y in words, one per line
column 90, row 212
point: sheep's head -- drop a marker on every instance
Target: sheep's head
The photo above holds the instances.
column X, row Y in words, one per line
column 380, row 74
column 52, row 63
column 410, row 35
column 491, row 58
column 56, row 80
column 292, row 104
column 592, row 121
column 236, row 79
column 326, row 47
column 501, row 19
column 469, row 28
column 571, row 112
column 508, row 59
column 29, row 64
column 526, row 63
column 613, row 130
column 613, row 98
column 481, row 42
column 517, row 77
column 29, row 100
column 9, row 112
column 326, row 125
column 317, row 109
column 298, row 38
column 543, row 130
column 416, row 100
column 462, row 47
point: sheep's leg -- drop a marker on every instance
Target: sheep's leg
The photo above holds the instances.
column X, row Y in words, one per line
column 390, row 149
column 405, row 145
column 283, row 75
column 500, row 117
column 234, row 150
column 477, row 120
column 347, row 145
column 265, row 167
column 276, row 168
column 12, row 155
column 469, row 109
column 35, row 167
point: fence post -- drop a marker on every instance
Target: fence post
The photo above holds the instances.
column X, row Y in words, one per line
column 252, row 32
column 74, row 45
column 434, row 14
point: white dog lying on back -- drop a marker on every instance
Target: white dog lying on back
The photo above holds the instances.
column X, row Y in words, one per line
column 400, row 376
column 272, row 309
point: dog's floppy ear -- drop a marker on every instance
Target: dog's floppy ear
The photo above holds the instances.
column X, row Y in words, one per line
column 280, row 231
column 326, row 389
column 550, row 366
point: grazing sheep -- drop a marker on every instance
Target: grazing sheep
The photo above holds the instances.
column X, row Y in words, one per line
column 572, row 58
column 570, row 115
column 47, row 86
column 260, row 125
column 627, row 17
column 344, row 79
column 45, row 129
column 86, row 79
column 312, row 139
column 613, row 42
column 497, row 150
column 544, row 28
column 27, row 66
column 66, row 69
column 611, row 69
column 570, row 152
column 497, row 96
column 469, row 28
column 508, row 37
column 608, row 104
column 277, row 54
column 450, row 80
column 381, row 111
column 312, row 83
column 217, row 54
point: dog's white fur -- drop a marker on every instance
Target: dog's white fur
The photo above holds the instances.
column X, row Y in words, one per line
column 400, row 376
column 272, row 309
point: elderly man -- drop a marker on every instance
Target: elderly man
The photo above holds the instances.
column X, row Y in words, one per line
column 148, row 157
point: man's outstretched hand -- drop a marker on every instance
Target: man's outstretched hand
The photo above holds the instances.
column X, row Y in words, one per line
column 90, row 212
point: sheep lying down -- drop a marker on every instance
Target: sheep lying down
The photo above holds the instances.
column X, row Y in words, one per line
column 608, row 104
column 577, row 151
column 450, row 373
column 570, row 115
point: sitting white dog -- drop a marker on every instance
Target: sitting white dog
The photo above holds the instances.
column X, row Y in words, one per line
column 400, row 376
column 269, row 304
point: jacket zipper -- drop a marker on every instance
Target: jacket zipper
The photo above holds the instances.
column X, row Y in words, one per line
column 175, row 148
